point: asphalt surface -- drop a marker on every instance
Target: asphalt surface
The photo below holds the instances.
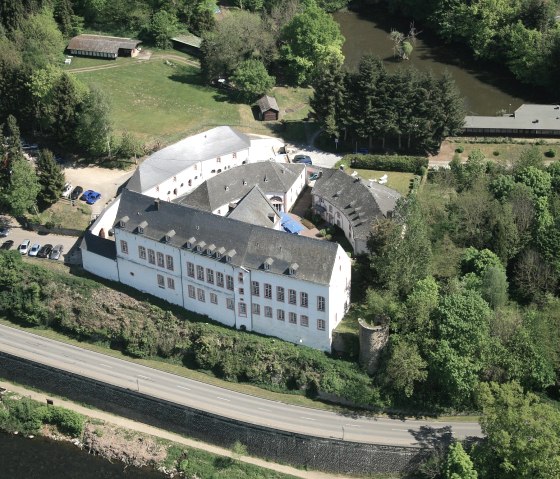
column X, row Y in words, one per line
column 380, row 430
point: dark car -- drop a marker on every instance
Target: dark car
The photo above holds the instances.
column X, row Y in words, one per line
column 303, row 159
column 7, row 244
column 4, row 231
column 76, row 192
column 45, row 251
column 90, row 196
column 56, row 252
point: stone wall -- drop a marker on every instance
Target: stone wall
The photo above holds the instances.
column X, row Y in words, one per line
column 372, row 341
column 331, row 455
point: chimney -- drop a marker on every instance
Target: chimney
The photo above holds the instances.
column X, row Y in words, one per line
column 156, row 204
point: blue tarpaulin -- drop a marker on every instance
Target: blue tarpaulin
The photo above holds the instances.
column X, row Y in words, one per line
column 289, row 224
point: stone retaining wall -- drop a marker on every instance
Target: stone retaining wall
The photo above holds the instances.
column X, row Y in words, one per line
column 331, row 455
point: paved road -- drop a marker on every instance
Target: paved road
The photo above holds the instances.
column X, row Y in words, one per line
column 217, row 400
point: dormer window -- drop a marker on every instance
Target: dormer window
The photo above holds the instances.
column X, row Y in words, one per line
column 230, row 254
column 210, row 249
column 169, row 235
column 293, row 269
column 200, row 247
column 267, row 264
column 123, row 221
column 220, row 252
column 141, row 227
column 190, row 242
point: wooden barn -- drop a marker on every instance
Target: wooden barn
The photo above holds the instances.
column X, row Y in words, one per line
column 268, row 107
column 188, row 43
column 103, row 47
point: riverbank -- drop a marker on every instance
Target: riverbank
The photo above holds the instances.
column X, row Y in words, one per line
column 131, row 442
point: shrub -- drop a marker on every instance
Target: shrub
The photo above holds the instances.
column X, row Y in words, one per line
column 550, row 153
column 67, row 422
column 407, row 164
column 459, row 149
column 496, row 153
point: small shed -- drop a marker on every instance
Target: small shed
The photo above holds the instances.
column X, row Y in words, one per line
column 102, row 46
column 188, row 43
column 268, row 107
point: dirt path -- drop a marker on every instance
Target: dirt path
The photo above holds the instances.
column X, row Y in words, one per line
column 154, row 431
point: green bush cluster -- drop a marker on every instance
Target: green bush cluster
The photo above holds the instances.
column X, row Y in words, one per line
column 550, row 153
column 27, row 416
column 145, row 330
column 406, row 164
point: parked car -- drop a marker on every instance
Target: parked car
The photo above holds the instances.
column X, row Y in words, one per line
column 66, row 190
column 314, row 176
column 56, row 252
column 76, row 192
column 34, row 249
column 303, row 159
column 24, row 246
column 363, row 151
column 45, row 251
column 7, row 244
column 90, row 196
column 4, row 231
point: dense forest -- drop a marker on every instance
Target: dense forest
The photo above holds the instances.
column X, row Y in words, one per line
column 523, row 35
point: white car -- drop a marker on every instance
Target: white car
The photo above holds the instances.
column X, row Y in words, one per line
column 67, row 190
column 34, row 250
column 24, row 246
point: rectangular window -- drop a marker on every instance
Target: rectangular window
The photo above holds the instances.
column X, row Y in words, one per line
column 268, row 311
column 256, row 309
column 304, row 320
column 280, row 316
column 160, row 261
column 213, row 298
column 255, row 288
column 170, row 283
column 280, row 293
column 229, row 282
column 190, row 269
column 201, row 295
column 229, row 303
column 321, row 324
column 292, row 318
column 292, row 296
column 240, row 277
column 303, row 299
column 124, row 247
column 160, row 281
column 169, row 262
column 267, row 291
column 141, row 252
column 320, row 303
column 210, row 275
column 191, row 291
column 200, row 273
column 220, row 279
column 242, row 308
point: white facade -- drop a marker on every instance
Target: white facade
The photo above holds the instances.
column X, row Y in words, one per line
column 295, row 310
column 100, row 266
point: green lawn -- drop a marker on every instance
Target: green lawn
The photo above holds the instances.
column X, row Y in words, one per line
column 64, row 215
column 505, row 152
column 395, row 180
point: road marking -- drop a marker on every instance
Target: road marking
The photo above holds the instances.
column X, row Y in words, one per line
column 143, row 377
column 262, row 409
column 223, row 399
column 308, row 418
column 351, row 425
column 106, row 366
column 185, row 388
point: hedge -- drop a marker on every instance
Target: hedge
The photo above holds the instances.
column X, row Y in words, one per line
column 406, row 164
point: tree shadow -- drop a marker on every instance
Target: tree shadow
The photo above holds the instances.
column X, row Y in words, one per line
column 429, row 437
column 188, row 76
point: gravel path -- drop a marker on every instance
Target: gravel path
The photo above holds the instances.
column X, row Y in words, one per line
column 154, row 431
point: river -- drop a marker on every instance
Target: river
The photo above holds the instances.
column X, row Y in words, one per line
column 486, row 89
column 40, row 458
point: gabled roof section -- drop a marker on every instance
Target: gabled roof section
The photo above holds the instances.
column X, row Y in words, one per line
column 231, row 185
column 266, row 103
column 526, row 117
column 102, row 43
column 255, row 208
column 175, row 158
column 252, row 244
column 360, row 201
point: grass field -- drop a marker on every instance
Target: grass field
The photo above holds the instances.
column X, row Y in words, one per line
column 63, row 214
column 161, row 103
column 503, row 152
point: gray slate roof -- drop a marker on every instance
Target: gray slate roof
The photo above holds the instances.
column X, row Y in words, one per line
column 360, row 201
column 230, row 185
column 266, row 103
column 102, row 43
column 526, row 117
column 100, row 246
column 256, row 209
column 189, row 39
column 175, row 158
column 253, row 244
